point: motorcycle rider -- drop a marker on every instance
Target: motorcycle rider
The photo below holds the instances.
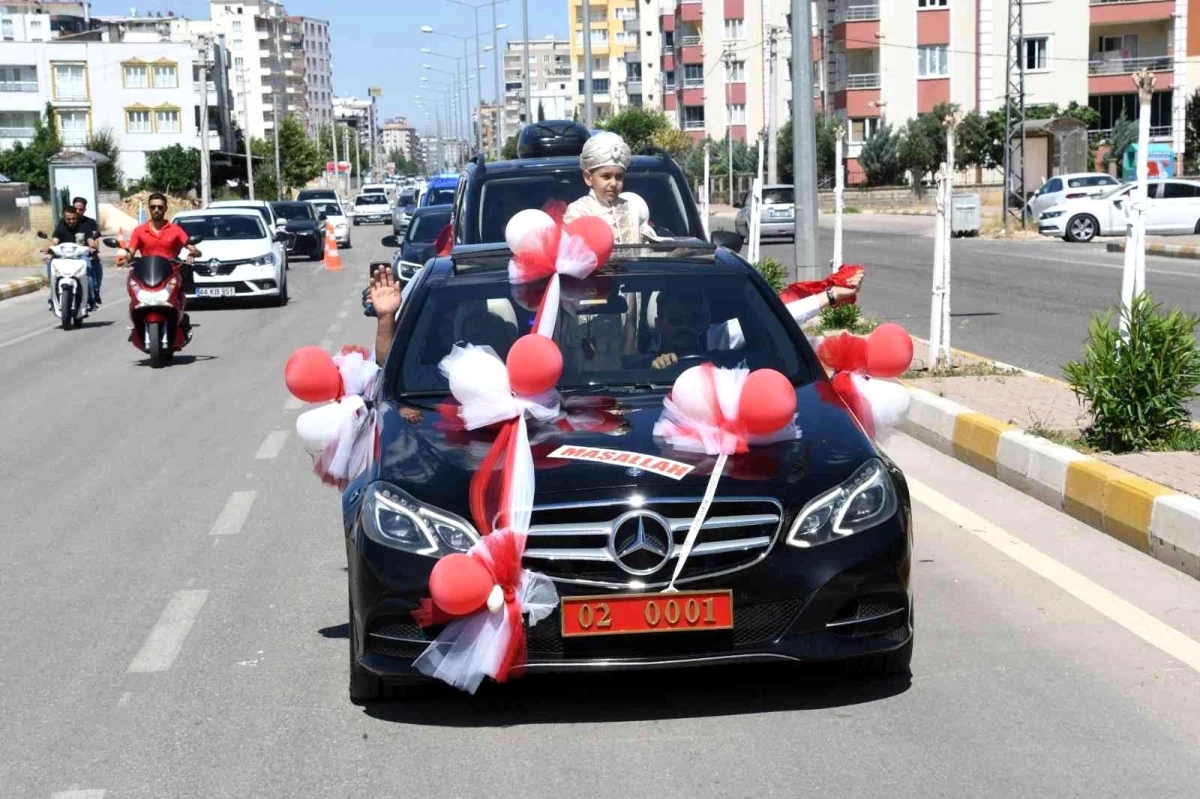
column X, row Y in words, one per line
column 77, row 230
column 159, row 236
column 97, row 271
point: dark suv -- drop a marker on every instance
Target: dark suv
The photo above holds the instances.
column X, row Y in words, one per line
column 809, row 539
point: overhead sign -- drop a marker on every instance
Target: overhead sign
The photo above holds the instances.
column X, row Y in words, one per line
column 375, row 91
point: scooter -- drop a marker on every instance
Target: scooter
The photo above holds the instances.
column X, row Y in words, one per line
column 70, row 282
column 157, row 287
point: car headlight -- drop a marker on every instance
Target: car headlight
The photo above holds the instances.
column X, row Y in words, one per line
column 1051, row 214
column 265, row 260
column 393, row 518
column 342, row 226
column 862, row 502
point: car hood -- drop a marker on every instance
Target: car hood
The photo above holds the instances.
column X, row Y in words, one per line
column 417, row 252
column 435, row 462
column 233, row 250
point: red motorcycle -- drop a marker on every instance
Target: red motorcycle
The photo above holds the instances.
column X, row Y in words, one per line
column 157, row 287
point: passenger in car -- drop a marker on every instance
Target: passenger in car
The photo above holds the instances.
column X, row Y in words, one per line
column 604, row 159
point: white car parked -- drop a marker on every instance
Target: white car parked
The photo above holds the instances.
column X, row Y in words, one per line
column 1063, row 188
column 336, row 216
column 242, row 258
column 1173, row 209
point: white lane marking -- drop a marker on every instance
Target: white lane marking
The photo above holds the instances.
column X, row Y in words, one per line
column 191, row 581
column 163, row 643
column 215, row 542
column 124, row 700
column 79, row 793
column 1075, row 262
column 234, row 514
column 272, row 445
column 326, row 344
column 293, row 404
column 1100, row 599
column 344, row 314
column 27, row 336
column 335, row 328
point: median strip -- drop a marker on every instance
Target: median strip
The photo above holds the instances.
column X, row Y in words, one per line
column 24, row 285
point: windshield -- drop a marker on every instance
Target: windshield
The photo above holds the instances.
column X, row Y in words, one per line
column 612, row 340
column 500, row 198
column 370, row 199
column 258, row 209
column 440, row 197
column 777, row 197
column 426, row 228
column 328, row 208
column 294, row 211
column 313, row 194
column 223, row 228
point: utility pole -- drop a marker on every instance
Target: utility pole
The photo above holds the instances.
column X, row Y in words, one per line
column 278, row 90
column 205, row 165
column 337, row 171
column 772, row 109
column 839, row 195
column 1014, row 115
column 246, row 134
column 525, row 66
column 939, row 313
column 376, row 159
column 589, row 113
column 358, row 156
column 498, row 68
column 804, row 146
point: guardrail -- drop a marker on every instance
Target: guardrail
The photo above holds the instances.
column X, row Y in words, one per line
column 690, row 41
column 692, row 82
column 863, row 81
column 861, row 12
column 1122, row 66
column 18, row 86
column 1156, row 132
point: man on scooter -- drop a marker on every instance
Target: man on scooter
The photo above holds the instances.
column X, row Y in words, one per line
column 97, row 271
column 76, row 230
column 160, row 236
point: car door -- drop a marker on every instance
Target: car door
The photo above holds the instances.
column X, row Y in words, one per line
column 1047, row 196
column 1175, row 210
column 1113, row 221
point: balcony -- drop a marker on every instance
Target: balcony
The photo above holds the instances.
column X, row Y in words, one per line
column 1162, row 132
column 1111, row 75
column 689, row 83
column 689, row 41
column 633, row 86
column 1115, row 12
column 690, row 10
column 862, row 12
column 863, row 81
column 633, row 56
column 18, row 86
column 632, row 25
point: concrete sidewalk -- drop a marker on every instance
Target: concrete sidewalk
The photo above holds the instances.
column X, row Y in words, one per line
column 1153, row 247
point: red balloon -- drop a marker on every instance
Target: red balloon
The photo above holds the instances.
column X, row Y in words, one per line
column 768, row 402
column 534, row 364
column 459, row 584
column 889, row 351
column 598, row 235
column 312, row 376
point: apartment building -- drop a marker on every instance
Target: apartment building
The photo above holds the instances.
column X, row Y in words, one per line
column 895, row 59
column 552, row 81
column 453, row 153
column 397, row 134
column 318, row 69
column 486, row 119
column 610, row 43
column 43, row 20
column 254, row 31
column 357, row 113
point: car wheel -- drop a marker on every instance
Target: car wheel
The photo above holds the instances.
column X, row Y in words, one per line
column 1082, row 228
column 364, row 686
column 1197, row 230
column 282, row 299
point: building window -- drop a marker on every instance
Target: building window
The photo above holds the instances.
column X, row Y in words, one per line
column 237, row 26
column 693, row 74
column 669, row 80
column 237, row 44
column 599, row 86
column 933, row 61
column 737, row 72
column 166, row 76
column 17, row 124
column 735, row 29
column 1112, row 107
column 137, row 121
column 238, row 62
column 72, row 127
column 136, row 76
column 693, row 117
column 18, row 79
column 166, row 120
column 737, row 114
column 6, row 30
column 931, row 3
column 70, row 82
column 863, row 129
column 1035, row 52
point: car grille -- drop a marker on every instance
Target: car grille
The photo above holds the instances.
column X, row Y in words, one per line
column 204, row 269
column 872, row 615
column 397, row 637
column 574, row 542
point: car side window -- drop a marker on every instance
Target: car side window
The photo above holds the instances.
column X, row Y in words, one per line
column 1052, row 186
column 1178, row 191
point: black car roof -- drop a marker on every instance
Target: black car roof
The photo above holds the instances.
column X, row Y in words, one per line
column 558, row 163
column 483, row 261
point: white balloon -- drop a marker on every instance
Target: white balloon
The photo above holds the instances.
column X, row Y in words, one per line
column 319, row 427
column 521, row 227
column 641, row 211
column 889, row 402
column 476, row 374
column 693, row 394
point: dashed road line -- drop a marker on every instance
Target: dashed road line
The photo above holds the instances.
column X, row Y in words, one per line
column 124, row 700
column 233, row 515
column 344, row 314
column 272, row 445
column 163, row 643
column 326, row 344
column 79, row 793
column 335, row 328
column 1137, row 621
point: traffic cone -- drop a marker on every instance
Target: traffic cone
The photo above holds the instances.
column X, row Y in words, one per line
column 333, row 259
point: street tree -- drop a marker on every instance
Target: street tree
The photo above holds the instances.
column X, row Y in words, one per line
column 923, row 143
column 509, row 151
column 880, row 157
column 673, row 140
column 108, row 176
column 826, row 131
column 541, row 112
column 27, row 163
column 1124, row 136
column 636, row 126
column 1191, row 136
column 173, row 169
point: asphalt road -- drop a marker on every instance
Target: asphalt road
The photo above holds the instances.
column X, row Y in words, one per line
column 1027, row 303
column 172, row 598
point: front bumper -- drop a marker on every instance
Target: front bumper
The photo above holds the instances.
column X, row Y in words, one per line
column 845, row 599
column 1056, row 227
column 303, row 244
column 360, row 219
column 245, row 282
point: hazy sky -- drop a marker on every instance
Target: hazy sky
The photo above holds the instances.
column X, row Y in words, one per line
column 379, row 43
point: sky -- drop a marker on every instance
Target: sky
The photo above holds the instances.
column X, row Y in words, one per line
column 380, row 45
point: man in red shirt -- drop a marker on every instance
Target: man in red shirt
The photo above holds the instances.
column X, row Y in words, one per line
column 160, row 236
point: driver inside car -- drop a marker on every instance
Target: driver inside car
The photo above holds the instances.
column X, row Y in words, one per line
column 684, row 328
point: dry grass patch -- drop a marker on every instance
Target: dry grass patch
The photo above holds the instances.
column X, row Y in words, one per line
column 19, row 249
column 992, row 227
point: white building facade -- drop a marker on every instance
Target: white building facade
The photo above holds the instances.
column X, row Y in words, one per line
column 551, row 89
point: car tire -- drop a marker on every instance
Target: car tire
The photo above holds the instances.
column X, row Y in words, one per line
column 1197, row 230
column 1081, row 228
column 282, row 299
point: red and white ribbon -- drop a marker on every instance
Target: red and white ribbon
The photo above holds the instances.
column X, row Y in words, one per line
column 572, row 258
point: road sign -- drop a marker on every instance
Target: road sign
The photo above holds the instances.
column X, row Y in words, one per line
column 375, row 91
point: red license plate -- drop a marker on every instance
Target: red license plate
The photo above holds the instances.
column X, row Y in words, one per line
column 625, row 614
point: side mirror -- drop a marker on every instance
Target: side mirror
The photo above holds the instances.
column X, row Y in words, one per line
column 322, row 217
column 728, row 239
column 108, row 242
column 390, row 241
column 282, row 236
column 41, row 234
column 280, row 223
column 374, row 265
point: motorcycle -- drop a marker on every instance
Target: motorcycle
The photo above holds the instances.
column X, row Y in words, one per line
column 157, row 287
column 70, row 282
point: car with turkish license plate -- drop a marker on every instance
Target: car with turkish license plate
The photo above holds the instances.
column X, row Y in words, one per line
column 1172, row 209
column 371, row 208
column 332, row 213
column 265, row 210
column 806, row 552
column 242, row 258
column 777, row 214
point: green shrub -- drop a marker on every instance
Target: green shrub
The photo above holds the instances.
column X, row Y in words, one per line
column 773, row 272
column 840, row 317
column 1138, row 390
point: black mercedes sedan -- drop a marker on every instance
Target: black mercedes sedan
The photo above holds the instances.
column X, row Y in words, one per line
column 307, row 228
column 805, row 554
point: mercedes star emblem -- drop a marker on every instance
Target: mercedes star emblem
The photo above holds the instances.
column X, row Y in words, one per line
column 641, row 542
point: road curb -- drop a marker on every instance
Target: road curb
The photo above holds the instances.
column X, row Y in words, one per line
column 25, row 285
column 898, row 213
column 1188, row 251
column 1143, row 514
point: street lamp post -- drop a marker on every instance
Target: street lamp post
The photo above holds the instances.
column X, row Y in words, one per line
column 428, row 29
